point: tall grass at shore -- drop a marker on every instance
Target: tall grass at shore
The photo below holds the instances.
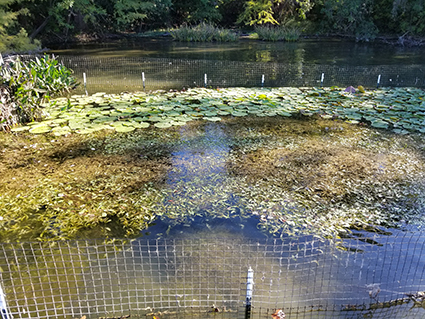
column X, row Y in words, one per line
column 203, row 33
column 284, row 33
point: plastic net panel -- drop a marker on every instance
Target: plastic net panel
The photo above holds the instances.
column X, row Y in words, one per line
column 132, row 74
column 377, row 277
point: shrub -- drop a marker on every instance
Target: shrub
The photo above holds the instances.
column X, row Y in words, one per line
column 25, row 85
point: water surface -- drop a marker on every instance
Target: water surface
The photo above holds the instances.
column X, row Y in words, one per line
column 309, row 51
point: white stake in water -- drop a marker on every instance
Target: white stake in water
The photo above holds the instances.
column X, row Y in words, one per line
column 143, row 79
column 85, row 82
column 379, row 80
column 4, row 312
column 249, row 288
column 205, row 80
column 322, row 79
column 262, row 80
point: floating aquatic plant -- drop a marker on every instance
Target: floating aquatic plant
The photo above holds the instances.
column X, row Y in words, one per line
column 401, row 110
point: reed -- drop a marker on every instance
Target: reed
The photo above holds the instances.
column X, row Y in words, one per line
column 203, row 32
column 284, row 33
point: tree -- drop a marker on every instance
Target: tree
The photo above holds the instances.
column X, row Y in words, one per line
column 230, row 11
column 349, row 17
column 13, row 38
column 195, row 11
column 274, row 11
column 130, row 14
column 410, row 16
column 68, row 15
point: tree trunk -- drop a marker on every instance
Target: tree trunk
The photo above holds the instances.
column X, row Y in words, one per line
column 40, row 28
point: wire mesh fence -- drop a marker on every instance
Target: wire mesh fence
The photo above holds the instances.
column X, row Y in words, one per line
column 376, row 277
column 118, row 74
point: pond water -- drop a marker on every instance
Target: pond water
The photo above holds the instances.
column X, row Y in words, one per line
column 233, row 195
column 220, row 185
column 309, row 51
column 151, row 64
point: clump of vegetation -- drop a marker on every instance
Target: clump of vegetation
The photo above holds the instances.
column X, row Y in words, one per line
column 25, row 85
column 78, row 186
column 282, row 33
column 203, row 33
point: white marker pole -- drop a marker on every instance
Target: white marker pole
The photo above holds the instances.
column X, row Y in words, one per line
column 85, row 82
column 143, row 79
column 5, row 314
column 262, row 81
column 322, row 79
column 249, row 288
column 205, row 80
column 379, row 80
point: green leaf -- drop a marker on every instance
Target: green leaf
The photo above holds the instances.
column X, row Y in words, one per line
column 40, row 129
column 20, row 128
column 213, row 119
column 163, row 124
column 124, row 129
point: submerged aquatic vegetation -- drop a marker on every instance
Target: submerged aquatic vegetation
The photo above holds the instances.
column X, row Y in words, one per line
column 289, row 157
column 335, row 175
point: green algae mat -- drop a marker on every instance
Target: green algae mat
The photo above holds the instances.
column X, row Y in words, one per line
column 296, row 160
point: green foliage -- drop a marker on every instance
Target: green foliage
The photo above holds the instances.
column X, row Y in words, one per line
column 67, row 14
column 287, row 33
column 195, row 11
column 12, row 37
column 203, row 33
column 410, row 16
column 64, row 18
column 26, row 85
column 129, row 13
column 349, row 18
column 259, row 12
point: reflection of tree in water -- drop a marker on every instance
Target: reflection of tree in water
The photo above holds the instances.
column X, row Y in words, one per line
column 197, row 180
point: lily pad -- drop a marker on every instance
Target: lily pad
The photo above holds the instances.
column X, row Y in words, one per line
column 379, row 124
column 141, row 125
column 282, row 113
column 213, row 119
column 20, row 128
column 178, row 123
column 239, row 114
column 85, row 131
column 40, row 129
column 163, row 124
column 155, row 119
column 124, row 129
column 58, row 131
